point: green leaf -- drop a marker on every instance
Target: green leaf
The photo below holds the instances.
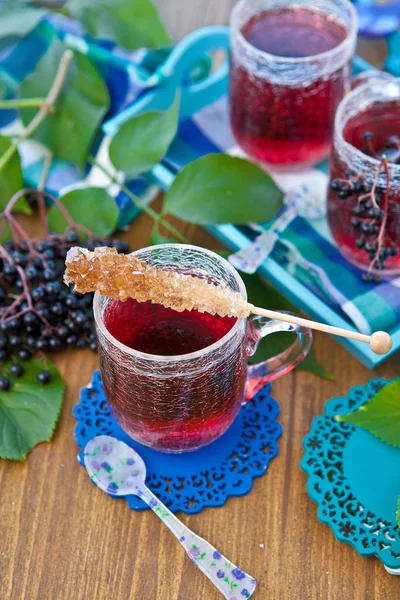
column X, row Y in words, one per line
column 11, row 178
column 261, row 295
column 222, row 189
column 29, row 410
column 80, row 108
column 91, row 207
column 17, row 18
column 381, row 415
column 129, row 23
column 143, row 141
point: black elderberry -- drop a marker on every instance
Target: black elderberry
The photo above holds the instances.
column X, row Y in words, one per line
column 9, row 270
column 30, row 341
column 355, row 222
column 29, row 318
column 93, row 346
column 54, row 344
column 72, row 237
column 3, row 341
column 79, row 317
column 43, row 376
column 62, row 332
column 17, row 370
column 14, row 324
column 3, row 354
column 367, row 277
column 343, row 194
column 374, row 228
column 71, row 340
column 368, row 136
column 37, row 293
column 41, row 344
column 393, row 251
column 357, row 210
column 5, row 384
column 365, row 228
column 81, row 343
column 15, row 341
column 121, row 246
column 70, row 301
column 48, row 274
column 24, row 354
column 57, row 308
column 371, row 247
column 31, row 273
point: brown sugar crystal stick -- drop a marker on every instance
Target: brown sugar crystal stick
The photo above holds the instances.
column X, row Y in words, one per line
column 121, row 276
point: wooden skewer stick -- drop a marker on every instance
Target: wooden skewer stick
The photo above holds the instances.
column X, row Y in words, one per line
column 380, row 342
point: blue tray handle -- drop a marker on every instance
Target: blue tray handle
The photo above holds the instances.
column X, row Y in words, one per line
column 195, row 95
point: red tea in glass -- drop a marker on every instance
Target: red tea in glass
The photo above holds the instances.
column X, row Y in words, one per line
column 290, row 67
column 176, row 381
column 372, row 109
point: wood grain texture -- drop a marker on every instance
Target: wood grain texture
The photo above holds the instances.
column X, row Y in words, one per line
column 63, row 539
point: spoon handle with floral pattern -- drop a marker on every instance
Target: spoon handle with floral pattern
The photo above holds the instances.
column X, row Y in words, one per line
column 231, row 581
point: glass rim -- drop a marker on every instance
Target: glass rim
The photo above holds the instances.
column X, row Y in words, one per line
column 176, row 357
column 340, row 125
column 351, row 34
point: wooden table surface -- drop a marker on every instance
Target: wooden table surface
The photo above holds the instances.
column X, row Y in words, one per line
column 63, row 539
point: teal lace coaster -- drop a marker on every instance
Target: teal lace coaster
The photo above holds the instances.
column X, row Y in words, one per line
column 355, row 479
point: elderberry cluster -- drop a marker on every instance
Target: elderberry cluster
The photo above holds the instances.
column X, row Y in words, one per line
column 38, row 312
column 367, row 210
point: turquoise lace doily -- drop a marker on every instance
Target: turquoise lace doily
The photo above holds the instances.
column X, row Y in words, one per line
column 195, row 480
column 355, row 479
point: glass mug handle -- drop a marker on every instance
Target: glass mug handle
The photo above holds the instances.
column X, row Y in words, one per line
column 260, row 374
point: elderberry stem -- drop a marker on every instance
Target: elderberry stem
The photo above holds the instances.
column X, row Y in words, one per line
column 45, row 171
column 46, row 108
column 137, row 202
column 382, row 229
column 22, row 103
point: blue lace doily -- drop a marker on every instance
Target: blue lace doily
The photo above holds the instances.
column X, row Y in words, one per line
column 354, row 478
column 205, row 478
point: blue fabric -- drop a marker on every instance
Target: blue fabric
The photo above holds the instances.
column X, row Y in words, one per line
column 306, row 248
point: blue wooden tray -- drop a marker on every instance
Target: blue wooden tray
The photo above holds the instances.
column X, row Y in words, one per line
column 195, row 96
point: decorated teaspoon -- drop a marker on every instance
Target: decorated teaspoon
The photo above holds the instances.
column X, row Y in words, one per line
column 118, row 470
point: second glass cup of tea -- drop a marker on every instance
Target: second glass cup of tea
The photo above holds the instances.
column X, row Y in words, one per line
column 175, row 381
column 290, row 67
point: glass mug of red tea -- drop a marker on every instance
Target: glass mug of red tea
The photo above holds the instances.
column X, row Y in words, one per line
column 290, row 67
column 175, row 381
column 364, row 196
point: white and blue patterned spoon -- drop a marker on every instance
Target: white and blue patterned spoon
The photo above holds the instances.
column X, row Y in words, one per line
column 118, row 470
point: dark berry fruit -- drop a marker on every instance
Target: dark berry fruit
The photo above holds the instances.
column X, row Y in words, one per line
column 121, row 246
column 343, row 194
column 371, row 247
column 15, row 341
column 62, row 332
column 54, row 343
column 48, row 253
column 29, row 318
column 48, row 274
column 72, row 237
column 81, row 343
column 41, row 344
column 367, row 277
column 52, row 288
column 30, row 341
column 3, row 354
column 79, row 317
column 358, row 185
column 93, row 346
column 5, row 384
column 31, row 273
column 355, row 222
column 20, row 259
column 14, row 324
column 57, row 308
column 393, row 251
column 357, row 210
column 17, row 370
column 24, row 354
column 368, row 136
column 37, row 293
column 71, row 340
column 9, row 270
column 70, row 301
column 43, row 376
column 3, row 341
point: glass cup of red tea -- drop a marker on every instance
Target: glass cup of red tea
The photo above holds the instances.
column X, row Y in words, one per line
column 290, row 67
column 175, row 381
column 364, row 195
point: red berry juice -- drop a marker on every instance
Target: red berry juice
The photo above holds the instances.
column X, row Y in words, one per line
column 383, row 120
column 279, row 123
column 172, row 412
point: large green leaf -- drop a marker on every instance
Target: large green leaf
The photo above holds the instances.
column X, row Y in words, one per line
column 19, row 17
column 80, row 108
column 11, row 178
column 129, row 23
column 381, row 415
column 29, row 410
column 142, row 141
column 92, row 207
column 222, row 189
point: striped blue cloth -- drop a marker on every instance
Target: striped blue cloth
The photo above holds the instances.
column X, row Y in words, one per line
column 305, row 248
column 121, row 72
